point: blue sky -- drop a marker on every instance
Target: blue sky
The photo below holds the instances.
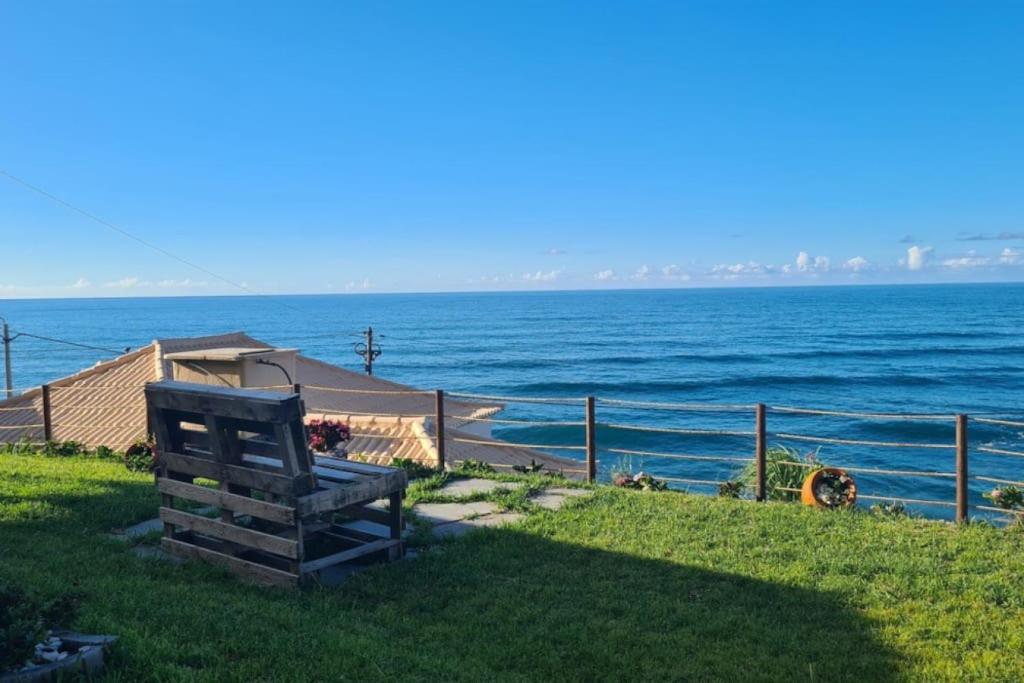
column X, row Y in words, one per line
column 331, row 147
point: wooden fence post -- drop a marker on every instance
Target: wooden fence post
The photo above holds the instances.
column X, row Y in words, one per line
column 591, row 441
column 962, row 490
column 760, row 449
column 439, row 427
column 47, row 417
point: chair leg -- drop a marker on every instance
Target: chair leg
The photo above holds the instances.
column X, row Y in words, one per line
column 395, row 514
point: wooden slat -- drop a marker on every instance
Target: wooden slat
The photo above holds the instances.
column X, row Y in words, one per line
column 252, row 571
column 332, row 474
column 367, row 513
column 329, row 473
column 346, row 555
column 235, row 474
column 363, row 467
column 229, row 532
column 242, row 404
column 364, row 491
column 222, row 499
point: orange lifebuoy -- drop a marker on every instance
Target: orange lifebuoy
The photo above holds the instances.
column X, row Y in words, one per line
column 807, row 491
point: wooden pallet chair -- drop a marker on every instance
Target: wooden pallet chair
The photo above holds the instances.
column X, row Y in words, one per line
column 283, row 511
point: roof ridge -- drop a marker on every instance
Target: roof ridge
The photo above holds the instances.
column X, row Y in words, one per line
column 99, row 367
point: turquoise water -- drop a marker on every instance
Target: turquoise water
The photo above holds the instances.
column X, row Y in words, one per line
column 943, row 348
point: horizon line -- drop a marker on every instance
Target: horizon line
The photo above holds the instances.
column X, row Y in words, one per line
column 249, row 295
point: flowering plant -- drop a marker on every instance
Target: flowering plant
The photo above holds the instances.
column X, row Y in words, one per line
column 325, row 435
column 140, row 456
column 1006, row 497
column 640, row 480
column 834, row 489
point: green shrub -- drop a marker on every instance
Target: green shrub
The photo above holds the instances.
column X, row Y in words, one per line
column 414, row 468
column 64, row 448
column 730, row 489
column 785, row 468
column 105, row 453
column 24, row 621
column 893, row 510
column 23, row 447
column 640, row 481
column 140, row 457
column 532, row 468
column 472, row 467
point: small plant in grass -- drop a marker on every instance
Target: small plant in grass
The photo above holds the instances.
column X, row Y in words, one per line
column 140, row 457
column 730, row 489
column 414, row 468
column 25, row 624
column 471, row 467
column 533, row 468
column 641, row 481
column 326, row 435
column 105, row 453
column 1008, row 498
column 63, row 448
column 785, row 468
column 893, row 510
column 22, row 447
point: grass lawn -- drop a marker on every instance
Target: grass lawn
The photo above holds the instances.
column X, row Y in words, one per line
column 623, row 585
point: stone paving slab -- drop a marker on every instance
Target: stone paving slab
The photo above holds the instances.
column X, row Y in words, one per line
column 441, row 513
column 374, row 528
column 553, row 499
column 470, row 487
column 137, row 531
column 569, row 492
column 462, row 527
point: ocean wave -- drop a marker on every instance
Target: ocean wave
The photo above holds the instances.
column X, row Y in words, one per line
column 576, row 388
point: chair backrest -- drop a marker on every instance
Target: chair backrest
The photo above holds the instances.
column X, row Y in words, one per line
column 244, row 438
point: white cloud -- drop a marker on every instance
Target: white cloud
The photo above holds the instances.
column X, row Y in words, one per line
column 180, row 284
column 354, row 285
column 917, row 257
column 605, row 275
column 541, row 276
column 642, row 273
column 805, row 263
column 555, row 251
column 858, row 264
column 674, row 272
column 735, row 270
column 969, row 260
column 1010, row 257
column 123, row 283
column 81, row 283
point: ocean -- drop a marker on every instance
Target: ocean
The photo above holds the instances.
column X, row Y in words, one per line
column 930, row 349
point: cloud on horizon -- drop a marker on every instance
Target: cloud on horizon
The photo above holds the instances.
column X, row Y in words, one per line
column 991, row 237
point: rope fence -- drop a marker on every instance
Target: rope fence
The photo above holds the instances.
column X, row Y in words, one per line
column 668, row 430
column 861, row 416
column 858, row 442
column 635, row 421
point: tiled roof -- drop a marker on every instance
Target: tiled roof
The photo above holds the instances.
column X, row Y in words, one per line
column 379, row 440
column 364, row 395
column 105, row 404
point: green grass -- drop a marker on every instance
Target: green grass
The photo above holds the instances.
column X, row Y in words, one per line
column 623, row 585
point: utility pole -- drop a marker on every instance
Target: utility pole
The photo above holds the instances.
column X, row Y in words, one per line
column 368, row 350
column 8, row 382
